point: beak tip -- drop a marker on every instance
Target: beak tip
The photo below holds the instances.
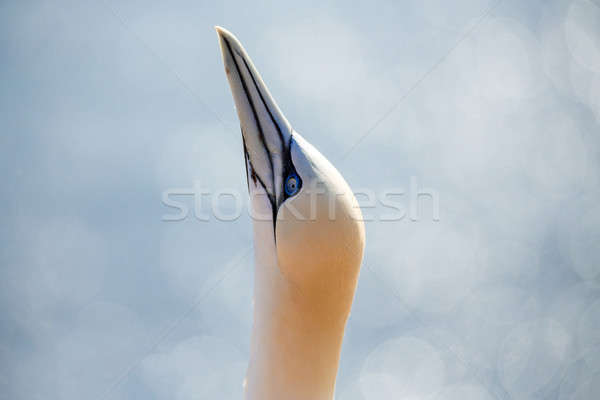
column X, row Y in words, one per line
column 223, row 33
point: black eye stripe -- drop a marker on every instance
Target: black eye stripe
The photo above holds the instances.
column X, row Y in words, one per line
column 289, row 170
column 292, row 185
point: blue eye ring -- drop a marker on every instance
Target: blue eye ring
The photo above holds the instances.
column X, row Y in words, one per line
column 292, row 184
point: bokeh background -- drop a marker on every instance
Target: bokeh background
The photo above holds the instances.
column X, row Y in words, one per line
column 494, row 104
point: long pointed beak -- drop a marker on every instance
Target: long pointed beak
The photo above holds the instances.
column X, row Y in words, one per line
column 265, row 130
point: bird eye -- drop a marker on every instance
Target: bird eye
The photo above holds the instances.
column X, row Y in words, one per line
column 291, row 185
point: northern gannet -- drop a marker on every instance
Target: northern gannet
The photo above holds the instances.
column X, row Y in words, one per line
column 308, row 239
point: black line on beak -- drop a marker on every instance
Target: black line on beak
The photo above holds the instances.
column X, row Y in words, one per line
column 266, row 107
column 246, row 161
column 287, row 166
column 261, row 134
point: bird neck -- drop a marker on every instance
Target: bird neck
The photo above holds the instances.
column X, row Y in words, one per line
column 296, row 337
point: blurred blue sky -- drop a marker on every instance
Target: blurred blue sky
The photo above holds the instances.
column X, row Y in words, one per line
column 106, row 104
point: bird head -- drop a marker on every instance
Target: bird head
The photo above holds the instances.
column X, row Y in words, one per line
column 304, row 211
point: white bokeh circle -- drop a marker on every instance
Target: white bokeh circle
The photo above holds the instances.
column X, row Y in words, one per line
column 531, row 354
column 582, row 30
column 402, row 368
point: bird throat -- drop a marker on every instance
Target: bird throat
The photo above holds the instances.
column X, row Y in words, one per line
column 296, row 341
